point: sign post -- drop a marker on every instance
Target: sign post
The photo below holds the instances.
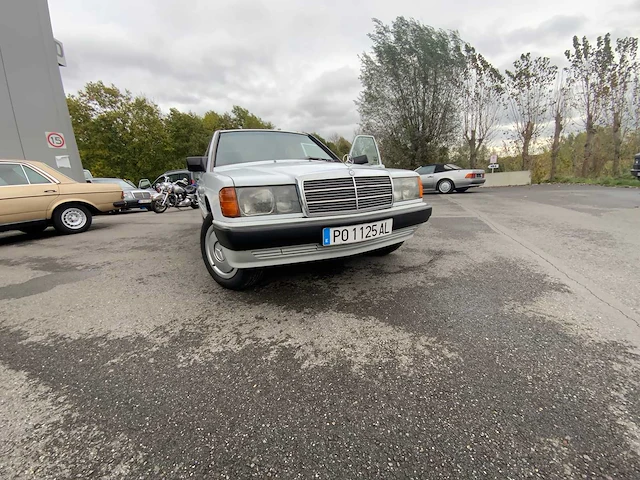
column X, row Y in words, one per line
column 493, row 162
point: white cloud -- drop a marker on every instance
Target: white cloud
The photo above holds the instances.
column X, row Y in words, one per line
column 289, row 61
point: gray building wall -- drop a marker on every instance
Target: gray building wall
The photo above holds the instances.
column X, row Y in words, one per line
column 32, row 99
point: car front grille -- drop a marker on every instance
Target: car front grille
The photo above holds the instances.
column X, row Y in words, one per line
column 141, row 195
column 341, row 195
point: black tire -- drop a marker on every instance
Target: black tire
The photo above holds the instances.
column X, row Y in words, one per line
column 462, row 190
column 386, row 250
column 194, row 205
column 236, row 279
column 35, row 230
column 445, row 186
column 158, row 207
column 72, row 218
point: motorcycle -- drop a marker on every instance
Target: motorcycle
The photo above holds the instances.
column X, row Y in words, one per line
column 177, row 194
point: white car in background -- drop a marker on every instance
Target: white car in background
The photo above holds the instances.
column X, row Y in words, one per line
column 273, row 198
column 447, row 177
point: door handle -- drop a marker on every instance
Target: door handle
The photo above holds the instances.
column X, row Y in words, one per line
column 429, row 176
column 50, row 191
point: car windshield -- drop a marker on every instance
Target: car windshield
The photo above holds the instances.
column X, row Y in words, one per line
column 451, row 166
column 256, row 146
column 123, row 184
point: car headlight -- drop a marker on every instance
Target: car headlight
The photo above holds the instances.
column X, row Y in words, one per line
column 407, row 188
column 128, row 195
column 268, row 200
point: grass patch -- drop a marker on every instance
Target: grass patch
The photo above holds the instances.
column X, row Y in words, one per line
column 626, row 181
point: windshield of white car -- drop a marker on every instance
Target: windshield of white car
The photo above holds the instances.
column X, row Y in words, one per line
column 257, row 146
column 123, row 184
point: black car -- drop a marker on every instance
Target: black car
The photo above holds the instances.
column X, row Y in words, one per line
column 635, row 170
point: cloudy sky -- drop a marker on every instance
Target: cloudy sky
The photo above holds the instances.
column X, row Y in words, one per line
column 294, row 62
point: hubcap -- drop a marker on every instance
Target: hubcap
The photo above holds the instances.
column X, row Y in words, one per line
column 445, row 187
column 216, row 257
column 74, row 218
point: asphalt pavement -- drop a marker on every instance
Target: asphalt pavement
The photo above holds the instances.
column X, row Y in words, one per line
column 502, row 341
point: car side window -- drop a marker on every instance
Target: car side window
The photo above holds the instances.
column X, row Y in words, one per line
column 35, row 177
column 427, row 170
column 439, row 168
column 12, row 174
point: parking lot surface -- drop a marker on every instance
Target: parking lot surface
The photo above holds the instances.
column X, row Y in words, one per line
column 500, row 342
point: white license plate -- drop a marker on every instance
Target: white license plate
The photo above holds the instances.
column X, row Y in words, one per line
column 144, row 201
column 356, row 233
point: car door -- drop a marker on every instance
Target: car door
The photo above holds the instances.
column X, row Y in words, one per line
column 366, row 145
column 427, row 176
column 25, row 194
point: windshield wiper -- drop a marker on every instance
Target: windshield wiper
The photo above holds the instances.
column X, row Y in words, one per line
column 320, row 158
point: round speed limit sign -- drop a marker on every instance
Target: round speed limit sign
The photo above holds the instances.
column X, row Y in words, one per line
column 55, row 140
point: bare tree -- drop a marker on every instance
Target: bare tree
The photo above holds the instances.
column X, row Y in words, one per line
column 622, row 72
column 559, row 108
column 587, row 76
column 481, row 97
column 634, row 120
column 529, row 88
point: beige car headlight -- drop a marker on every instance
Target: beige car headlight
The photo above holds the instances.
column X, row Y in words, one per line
column 407, row 188
column 254, row 201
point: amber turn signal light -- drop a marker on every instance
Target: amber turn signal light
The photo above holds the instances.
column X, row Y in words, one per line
column 420, row 187
column 229, row 202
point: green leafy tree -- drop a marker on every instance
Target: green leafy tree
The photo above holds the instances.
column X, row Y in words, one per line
column 187, row 136
column 238, row 118
column 559, row 109
column 409, row 97
column 622, row 72
column 117, row 134
column 340, row 145
column 529, row 87
column 587, row 75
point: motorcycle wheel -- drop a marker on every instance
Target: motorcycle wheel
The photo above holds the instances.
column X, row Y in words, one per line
column 194, row 205
column 158, row 207
column 172, row 200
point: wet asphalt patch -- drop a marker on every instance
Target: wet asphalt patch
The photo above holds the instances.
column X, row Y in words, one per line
column 520, row 398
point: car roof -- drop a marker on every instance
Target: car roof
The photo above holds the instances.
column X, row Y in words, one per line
column 33, row 162
column 261, row 130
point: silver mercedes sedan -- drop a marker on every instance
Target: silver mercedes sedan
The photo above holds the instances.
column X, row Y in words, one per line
column 447, row 177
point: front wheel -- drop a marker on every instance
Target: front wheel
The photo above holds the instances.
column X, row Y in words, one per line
column 217, row 265
column 445, row 186
column 73, row 218
column 158, row 207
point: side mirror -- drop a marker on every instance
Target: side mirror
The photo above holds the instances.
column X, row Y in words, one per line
column 144, row 183
column 360, row 160
column 197, row 164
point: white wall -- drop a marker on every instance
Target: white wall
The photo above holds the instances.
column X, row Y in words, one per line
column 506, row 179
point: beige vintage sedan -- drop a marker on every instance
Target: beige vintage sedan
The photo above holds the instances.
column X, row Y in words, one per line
column 34, row 196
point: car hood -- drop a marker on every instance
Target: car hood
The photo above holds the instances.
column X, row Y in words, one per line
column 286, row 172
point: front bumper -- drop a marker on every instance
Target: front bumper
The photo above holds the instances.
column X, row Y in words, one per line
column 309, row 230
column 282, row 244
column 135, row 203
column 635, row 173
